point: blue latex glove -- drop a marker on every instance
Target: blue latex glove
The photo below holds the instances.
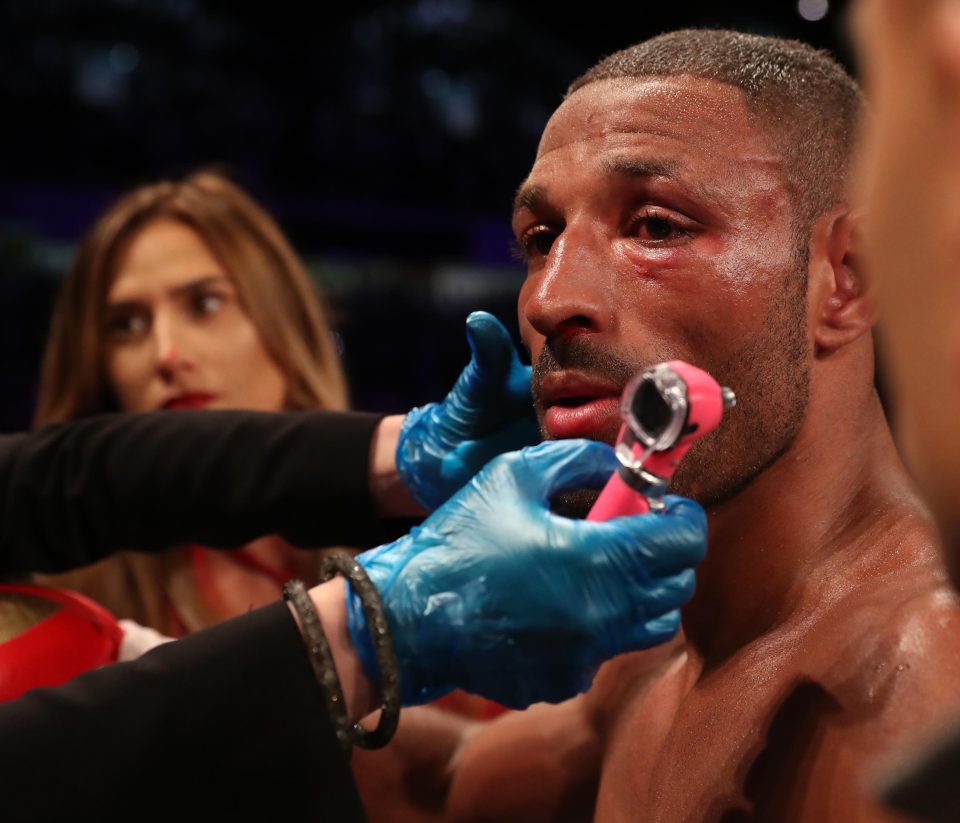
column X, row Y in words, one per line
column 496, row 595
column 489, row 411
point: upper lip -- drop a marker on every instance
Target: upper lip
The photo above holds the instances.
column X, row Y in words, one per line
column 565, row 385
column 180, row 397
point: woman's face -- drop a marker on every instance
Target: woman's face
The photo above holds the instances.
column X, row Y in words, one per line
column 176, row 335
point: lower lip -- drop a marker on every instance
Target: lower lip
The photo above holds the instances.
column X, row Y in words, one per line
column 190, row 401
column 599, row 419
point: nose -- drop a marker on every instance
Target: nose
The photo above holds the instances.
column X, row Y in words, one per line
column 573, row 293
column 170, row 355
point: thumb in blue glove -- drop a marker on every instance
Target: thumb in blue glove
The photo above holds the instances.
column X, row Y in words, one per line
column 496, row 595
column 488, row 411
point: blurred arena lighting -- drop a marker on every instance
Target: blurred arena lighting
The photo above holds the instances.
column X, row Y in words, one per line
column 813, row 9
column 124, row 58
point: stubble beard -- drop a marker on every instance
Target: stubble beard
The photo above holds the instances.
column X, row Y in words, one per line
column 770, row 374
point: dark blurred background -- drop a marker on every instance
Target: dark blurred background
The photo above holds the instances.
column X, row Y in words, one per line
column 387, row 139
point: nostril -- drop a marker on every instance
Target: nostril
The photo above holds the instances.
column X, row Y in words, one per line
column 561, row 304
column 573, row 327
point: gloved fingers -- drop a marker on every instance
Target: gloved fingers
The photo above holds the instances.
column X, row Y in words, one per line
column 655, row 631
column 519, row 385
column 668, row 593
column 493, row 377
column 477, row 453
column 684, row 506
column 390, row 550
column 560, row 685
column 491, row 346
column 615, row 596
column 518, row 434
column 384, row 563
column 537, row 679
column 665, row 543
column 559, row 466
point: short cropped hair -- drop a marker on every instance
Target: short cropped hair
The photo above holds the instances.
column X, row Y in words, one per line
column 804, row 99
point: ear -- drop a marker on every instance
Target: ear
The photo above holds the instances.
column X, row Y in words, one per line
column 841, row 305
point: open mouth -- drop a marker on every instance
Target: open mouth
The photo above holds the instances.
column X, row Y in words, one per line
column 578, row 404
column 574, row 400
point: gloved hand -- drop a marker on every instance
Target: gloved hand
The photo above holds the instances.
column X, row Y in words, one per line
column 496, row 595
column 488, row 411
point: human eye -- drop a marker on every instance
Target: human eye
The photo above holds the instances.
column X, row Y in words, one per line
column 126, row 324
column 535, row 243
column 659, row 227
column 206, row 302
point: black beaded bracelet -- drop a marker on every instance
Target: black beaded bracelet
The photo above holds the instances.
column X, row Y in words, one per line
column 382, row 646
column 321, row 658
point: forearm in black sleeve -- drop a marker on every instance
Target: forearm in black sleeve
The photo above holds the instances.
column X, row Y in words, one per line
column 227, row 724
column 73, row 493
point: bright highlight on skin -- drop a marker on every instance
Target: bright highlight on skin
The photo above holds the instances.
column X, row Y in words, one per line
column 813, row 9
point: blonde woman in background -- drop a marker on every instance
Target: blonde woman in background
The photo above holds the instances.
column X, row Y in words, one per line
column 188, row 295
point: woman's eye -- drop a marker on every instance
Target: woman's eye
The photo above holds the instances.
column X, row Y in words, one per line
column 126, row 325
column 208, row 303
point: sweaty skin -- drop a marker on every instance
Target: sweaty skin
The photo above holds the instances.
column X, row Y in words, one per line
column 656, row 224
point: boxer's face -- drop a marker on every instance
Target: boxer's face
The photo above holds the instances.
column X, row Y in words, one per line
column 656, row 225
column 910, row 166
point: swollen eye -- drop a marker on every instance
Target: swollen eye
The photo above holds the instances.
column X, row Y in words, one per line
column 651, row 410
column 659, row 228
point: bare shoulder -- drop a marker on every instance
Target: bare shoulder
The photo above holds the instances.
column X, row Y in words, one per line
column 543, row 764
column 889, row 687
column 895, row 633
column 899, row 665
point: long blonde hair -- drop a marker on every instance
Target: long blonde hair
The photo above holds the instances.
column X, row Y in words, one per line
column 274, row 290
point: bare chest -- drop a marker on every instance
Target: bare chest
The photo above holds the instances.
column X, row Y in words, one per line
column 728, row 747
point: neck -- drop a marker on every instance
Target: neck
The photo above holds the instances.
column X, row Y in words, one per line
column 802, row 531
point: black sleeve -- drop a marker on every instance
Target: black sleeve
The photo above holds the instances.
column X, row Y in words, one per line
column 73, row 493
column 226, row 724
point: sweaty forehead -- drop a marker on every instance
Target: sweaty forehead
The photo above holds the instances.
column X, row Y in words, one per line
column 683, row 116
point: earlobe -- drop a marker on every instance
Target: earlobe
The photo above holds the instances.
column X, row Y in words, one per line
column 844, row 309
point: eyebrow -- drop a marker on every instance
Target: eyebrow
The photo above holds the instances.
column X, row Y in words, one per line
column 632, row 168
column 529, row 197
column 200, row 282
column 638, row 167
column 177, row 291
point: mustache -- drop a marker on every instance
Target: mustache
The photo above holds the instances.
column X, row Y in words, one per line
column 582, row 354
